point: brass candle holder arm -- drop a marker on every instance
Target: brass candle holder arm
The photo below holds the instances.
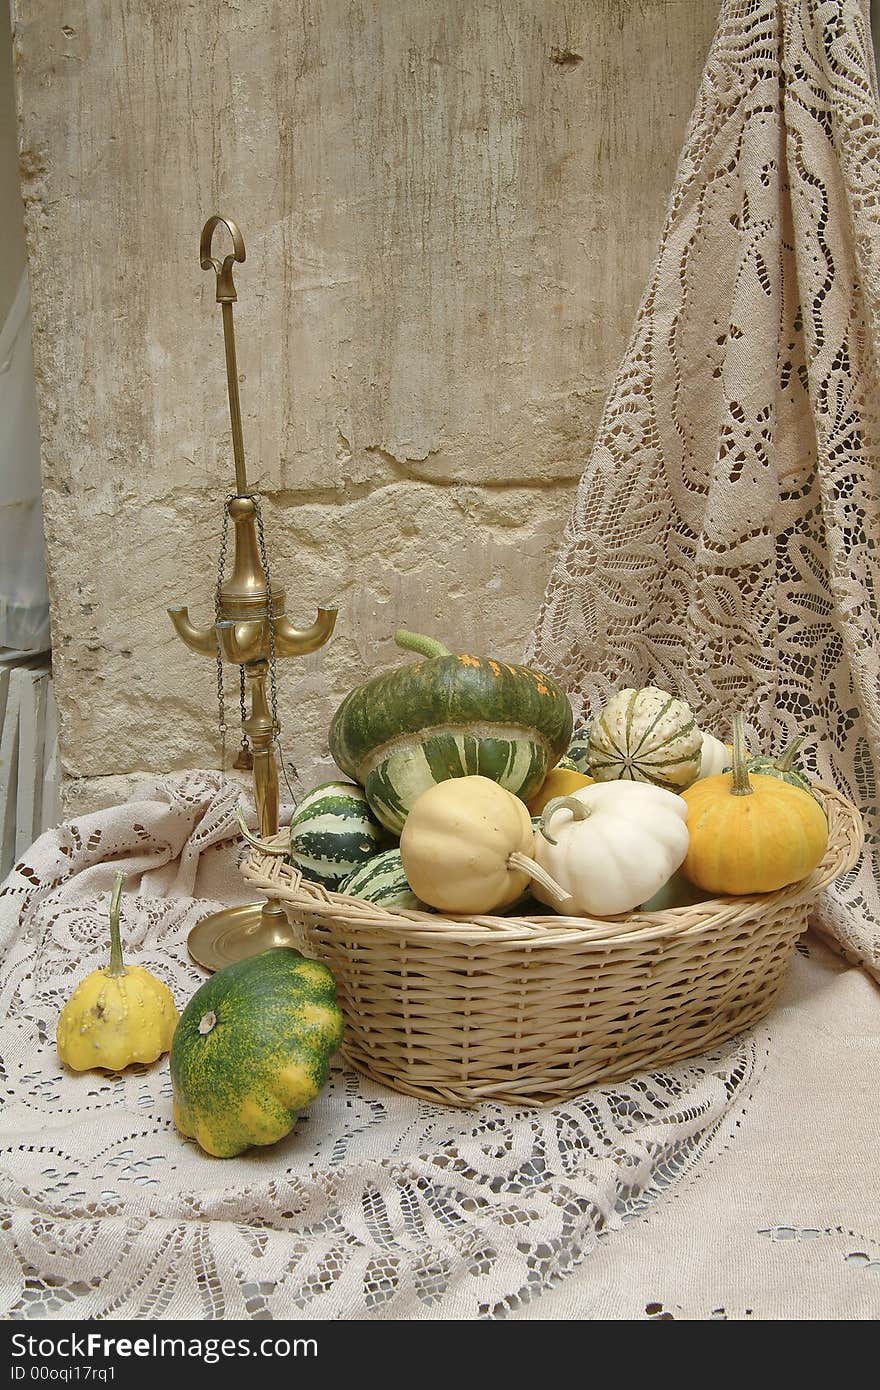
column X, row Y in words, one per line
column 297, row 641
column 198, row 639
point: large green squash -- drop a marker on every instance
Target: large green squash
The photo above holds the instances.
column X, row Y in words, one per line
column 252, row 1047
column 448, row 716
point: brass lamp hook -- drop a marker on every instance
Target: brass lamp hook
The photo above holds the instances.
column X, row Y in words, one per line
column 223, row 269
column 226, row 297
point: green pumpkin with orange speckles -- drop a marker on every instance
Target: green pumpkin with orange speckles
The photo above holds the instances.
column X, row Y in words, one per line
column 448, row 716
column 252, row 1048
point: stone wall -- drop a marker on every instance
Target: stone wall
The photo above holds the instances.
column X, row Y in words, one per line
column 449, row 209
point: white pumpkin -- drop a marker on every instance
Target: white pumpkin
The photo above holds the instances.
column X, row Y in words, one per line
column 611, row 846
column 645, row 736
column 716, row 756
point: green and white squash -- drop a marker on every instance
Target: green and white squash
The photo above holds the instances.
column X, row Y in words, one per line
column 645, row 736
column 567, row 763
column 383, row 881
column 448, row 716
column 332, row 833
column 784, row 767
column 578, row 755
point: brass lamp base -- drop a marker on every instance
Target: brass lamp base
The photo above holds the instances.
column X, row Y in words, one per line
column 238, row 932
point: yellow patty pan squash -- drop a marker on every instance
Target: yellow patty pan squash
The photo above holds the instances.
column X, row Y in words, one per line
column 116, row 1016
column 751, row 833
column 466, row 847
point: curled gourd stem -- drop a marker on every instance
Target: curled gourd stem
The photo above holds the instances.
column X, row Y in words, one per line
column 740, row 785
column 578, row 810
column 117, row 964
column 789, row 752
column 253, row 840
column 516, row 860
column 416, row 642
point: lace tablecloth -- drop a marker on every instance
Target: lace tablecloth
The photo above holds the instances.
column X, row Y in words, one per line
column 740, row 1184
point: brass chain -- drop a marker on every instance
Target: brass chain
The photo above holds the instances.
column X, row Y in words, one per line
column 270, row 619
column 245, row 746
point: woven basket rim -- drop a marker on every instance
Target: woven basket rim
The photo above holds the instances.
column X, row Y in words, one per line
column 271, row 875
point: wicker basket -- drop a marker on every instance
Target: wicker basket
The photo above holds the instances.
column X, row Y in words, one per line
column 534, row 1010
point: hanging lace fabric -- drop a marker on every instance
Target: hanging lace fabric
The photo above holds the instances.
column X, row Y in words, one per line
column 724, row 542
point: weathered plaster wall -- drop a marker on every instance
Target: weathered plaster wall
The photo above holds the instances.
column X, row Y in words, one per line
column 449, row 212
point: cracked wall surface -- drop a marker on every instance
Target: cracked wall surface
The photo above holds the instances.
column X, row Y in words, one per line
column 449, row 211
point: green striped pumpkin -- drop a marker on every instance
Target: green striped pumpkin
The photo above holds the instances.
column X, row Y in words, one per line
column 383, row 881
column 646, row 736
column 578, row 755
column 332, row 833
column 448, row 716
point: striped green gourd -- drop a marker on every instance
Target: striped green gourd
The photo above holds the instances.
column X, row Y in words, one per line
column 578, row 755
column 383, row 881
column 332, row 833
column 646, row 736
column 448, row 716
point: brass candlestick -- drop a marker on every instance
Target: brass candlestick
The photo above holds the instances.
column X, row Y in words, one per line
column 250, row 630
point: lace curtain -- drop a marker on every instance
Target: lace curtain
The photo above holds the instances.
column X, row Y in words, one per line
column 723, row 543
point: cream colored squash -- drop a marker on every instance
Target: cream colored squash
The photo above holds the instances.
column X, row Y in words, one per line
column 611, row 846
column 716, row 756
column 466, row 847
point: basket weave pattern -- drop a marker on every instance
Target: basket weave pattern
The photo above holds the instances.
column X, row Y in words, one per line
column 531, row 1011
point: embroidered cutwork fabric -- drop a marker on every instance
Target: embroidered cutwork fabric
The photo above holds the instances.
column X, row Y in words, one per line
column 376, row 1205
column 723, row 543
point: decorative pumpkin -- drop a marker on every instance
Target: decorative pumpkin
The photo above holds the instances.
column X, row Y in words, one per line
column 559, row 782
column 716, row 756
column 252, row 1048
column 382, row 881
column 750, row 833
column 579, row 752
column 466, row 847
column 611, row 846
column 448, row 716
column 332, row 833
column 646, row 736
column 116, row 1016
column 784, row 766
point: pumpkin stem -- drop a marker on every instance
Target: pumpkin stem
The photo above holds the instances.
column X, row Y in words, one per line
column 252, row 839
column 416, row 642
column 577, row 808
column 117, row 965
column 516, row 860
column 740, row 784
column 789, row 752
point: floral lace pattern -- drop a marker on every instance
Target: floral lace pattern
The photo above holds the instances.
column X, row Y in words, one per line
column 725, row 536
column 376, row 1204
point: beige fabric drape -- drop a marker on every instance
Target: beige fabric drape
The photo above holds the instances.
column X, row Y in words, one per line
column 725, row 539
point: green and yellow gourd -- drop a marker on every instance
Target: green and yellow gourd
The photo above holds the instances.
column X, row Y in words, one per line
column 252, row 1048
column 448, row 716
